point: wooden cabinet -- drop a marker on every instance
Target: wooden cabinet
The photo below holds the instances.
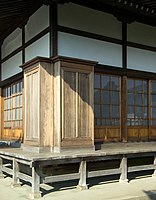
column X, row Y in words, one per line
column 38, row 106
column 59, row 107
column 73, row 89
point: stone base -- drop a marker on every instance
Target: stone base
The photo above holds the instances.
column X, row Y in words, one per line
column 2, row 175
column 79, row 187
column 36, row 149
column 123, row 181
column 14, row 185
column 73, row 148
column 36, row 195
column 154, row 175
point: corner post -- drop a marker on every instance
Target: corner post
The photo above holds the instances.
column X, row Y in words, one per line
column 1, row 167
column 16, row 181
column 124, row 170
column 154, row 163
column 83, row 176
column 35, row 193
column 57, row 106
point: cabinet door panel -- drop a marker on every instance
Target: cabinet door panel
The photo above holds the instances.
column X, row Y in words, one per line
column 69, row 98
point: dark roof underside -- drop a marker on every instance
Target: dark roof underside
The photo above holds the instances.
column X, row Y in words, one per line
column 143, row 11
column 15, row 12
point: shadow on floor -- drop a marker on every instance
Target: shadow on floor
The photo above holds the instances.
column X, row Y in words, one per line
column 151, row 194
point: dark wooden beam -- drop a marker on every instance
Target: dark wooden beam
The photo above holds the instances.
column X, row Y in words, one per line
column 24, row 45
column 53, row 30
column 12, row 79
column 124, row 45
column 130, row 73
column 124, row 108
column 88, row 35
column 0, row 62
column 23, row 42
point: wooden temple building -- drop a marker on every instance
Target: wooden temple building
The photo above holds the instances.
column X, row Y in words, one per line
column 75, row 74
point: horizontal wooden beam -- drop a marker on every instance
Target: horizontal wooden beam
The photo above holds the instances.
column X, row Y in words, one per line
column 141, row 168
column 25, row 177
column 58, row 178
column 97, row 173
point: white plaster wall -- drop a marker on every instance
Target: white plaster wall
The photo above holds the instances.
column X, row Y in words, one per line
column 12, row 42
column 90, row 49
column 86, row 19
column 39, row 48
column 37, row 22
column 139, row 59
column 11, row 66
column 142, row 34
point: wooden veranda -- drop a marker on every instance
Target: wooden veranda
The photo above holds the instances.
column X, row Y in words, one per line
column 38, row 168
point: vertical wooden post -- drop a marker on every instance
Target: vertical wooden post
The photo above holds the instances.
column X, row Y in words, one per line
column 16, row 182
column 91, row 107
column 124, row 109
column 124, row 170
column 35, row 184
column 124, row 84
column 1, row 167
column 53, row 30
column 1, row 113
column 154, row 163
column 124, row 45
column 83, row 176
column 57, row 107
column 23, row 43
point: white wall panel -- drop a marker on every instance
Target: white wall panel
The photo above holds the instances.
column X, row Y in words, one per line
column 90, row 49
column 12, row 42
column 11, row 66
column 142, row 34
column 139, row 59
column 37, row 22
column 86, row 19
column 38, row 48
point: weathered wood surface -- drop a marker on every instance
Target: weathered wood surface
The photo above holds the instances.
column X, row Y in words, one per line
column 121, row 152
column 113, row 149
column 38, row 81
column 77, row 105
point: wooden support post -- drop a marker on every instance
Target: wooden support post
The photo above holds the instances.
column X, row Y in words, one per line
column 16, row 182
column 83, row 176
column 124, row 170
column 1, row 167
column 35, row 184
column 57, row 108
column 124, row 136
column 154, row 163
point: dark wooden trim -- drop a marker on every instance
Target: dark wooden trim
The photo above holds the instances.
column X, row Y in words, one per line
column 12, row 79
column 124, row 108
column 12, row 54
column 141, row 46
column 0, row 62
column 88, row 35
column 34, row 39
column 124, row 45
column 53, row 30
column 130, row 73
column 23, row 42
column 56, row 59
column 122, row 42
column 37, row 37
column 73, row 60
column 34, row 61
